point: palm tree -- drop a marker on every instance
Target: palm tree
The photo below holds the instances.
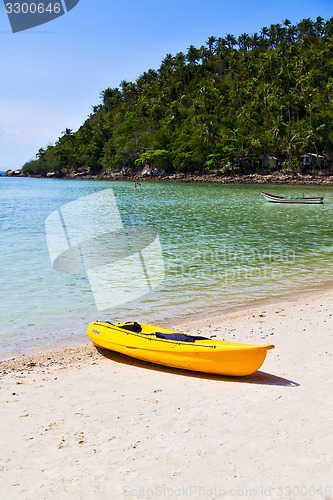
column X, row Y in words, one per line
column 231, row 40
column 255, row 41
column 319, row 26
column 180, row 65
column 204, row 92
column 192, row 56
column 166, row 69
column 143, row 110
column 204, row 55
column 126, row 89
column 211, row 43
column 111, row 98
column 210, row 134
column 244, row 41
column 264, row 36
column 314, row 134
column 220, row 49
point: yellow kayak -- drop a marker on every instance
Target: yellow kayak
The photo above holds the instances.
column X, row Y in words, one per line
column 176, row 349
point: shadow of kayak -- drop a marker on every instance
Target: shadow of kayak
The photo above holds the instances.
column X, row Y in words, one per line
column 259, row 377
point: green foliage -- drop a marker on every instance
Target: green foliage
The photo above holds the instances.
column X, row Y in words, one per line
column 46, row 162
column 220, row 106
column 158, row 158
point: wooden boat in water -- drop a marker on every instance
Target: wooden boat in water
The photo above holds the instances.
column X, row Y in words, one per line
column 179, row 350
column 291, row 199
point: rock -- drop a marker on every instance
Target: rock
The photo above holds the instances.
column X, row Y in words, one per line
column 148, row 171
column 13, row 173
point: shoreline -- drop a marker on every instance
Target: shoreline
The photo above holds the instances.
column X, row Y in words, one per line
column 198, row 324
column 79, row 422
column 278, row 178
column 21, row 355
column 190, row 324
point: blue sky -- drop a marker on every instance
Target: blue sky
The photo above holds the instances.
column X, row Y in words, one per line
column 52, row 75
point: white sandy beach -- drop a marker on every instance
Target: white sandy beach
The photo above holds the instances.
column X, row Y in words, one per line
column 79, row 424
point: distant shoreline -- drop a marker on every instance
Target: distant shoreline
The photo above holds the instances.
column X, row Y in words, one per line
column 215, row 177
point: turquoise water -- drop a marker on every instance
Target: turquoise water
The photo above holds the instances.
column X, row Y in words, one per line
column 222, row 245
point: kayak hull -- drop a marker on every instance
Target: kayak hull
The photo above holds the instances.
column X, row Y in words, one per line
column 209, row 356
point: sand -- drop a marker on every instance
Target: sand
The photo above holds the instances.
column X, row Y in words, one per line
column 80, row 424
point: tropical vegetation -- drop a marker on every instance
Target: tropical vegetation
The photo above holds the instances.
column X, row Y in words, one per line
column 220, row 106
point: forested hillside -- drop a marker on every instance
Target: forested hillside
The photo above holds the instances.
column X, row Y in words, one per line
column 219, row 106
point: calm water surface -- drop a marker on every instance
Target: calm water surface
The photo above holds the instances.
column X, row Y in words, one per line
column 223, row 245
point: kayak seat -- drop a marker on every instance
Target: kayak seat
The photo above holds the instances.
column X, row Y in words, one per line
column 132, row 327
column 181, row 337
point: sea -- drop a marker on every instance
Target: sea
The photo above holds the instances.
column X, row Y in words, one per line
column 204, row 248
